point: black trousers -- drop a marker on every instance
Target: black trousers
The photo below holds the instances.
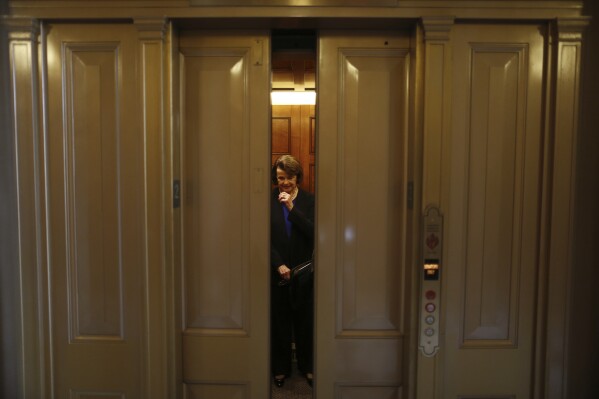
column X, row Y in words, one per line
column 287, row 325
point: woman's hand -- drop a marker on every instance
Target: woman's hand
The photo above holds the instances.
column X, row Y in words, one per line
column 284, row 272
column 285, row 198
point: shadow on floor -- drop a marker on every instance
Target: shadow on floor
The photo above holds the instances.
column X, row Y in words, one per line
column 296, row 387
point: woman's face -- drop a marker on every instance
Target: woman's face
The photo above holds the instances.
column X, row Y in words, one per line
column 285, row 182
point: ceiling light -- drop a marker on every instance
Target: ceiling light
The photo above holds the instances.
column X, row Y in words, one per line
column 293, row 97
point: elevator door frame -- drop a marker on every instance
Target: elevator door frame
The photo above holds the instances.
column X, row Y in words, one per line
column 408, row 318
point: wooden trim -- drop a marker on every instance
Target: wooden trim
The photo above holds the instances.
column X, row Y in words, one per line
column 27, row 241
column 152, row 78
column 484, row 10
column 561, row 164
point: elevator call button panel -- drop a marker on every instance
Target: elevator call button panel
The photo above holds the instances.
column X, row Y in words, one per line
column 430, row 287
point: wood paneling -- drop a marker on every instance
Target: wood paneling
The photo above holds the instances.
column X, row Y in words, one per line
column 95, row 211
column 369, row 235
column 495, row 194
column 308, row 146
column 293, row 130
column 436, row 81
column 216, row 175
column 155, row 99
column 486, row 397
column 96, row 395
column 565, row 120
column 372, row 3
column 361, row 213
column 494, row 202
column 22, row 225
column 281, row 136
column 367, row 391
column 216, row 391
column 93, row 202
column 494, row 251
column 294, row 70
column 223, row 294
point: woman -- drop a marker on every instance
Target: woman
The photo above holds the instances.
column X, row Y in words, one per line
column 292, row 242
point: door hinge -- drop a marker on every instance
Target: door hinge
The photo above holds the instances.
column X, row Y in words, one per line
column 258, row 52
column 410, row 194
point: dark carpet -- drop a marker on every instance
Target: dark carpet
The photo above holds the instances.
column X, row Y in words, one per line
column 296, row 387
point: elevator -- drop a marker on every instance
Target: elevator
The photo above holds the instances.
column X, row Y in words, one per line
column 374, row 82
column 149, row 176
column 376, row 138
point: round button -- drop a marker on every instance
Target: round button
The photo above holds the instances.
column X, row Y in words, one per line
column 429, row 332
column 430, row 307
column 430, row 295
column 429, row 319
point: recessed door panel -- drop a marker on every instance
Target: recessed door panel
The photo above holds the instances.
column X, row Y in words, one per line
column 293, row 133
column 492, row 234
column 95, row 220
column 361, row 187
column 224, row 221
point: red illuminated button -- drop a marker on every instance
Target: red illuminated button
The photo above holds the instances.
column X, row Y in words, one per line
column 430, row 295
column 430, row 307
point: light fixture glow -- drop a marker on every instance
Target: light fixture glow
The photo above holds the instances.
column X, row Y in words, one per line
column 293, row 97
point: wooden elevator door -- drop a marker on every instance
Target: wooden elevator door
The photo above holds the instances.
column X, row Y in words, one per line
column 95, row 214
column 361, row 274
column 493, row 208
column 224, row 280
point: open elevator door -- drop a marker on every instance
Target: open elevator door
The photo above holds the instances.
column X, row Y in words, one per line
column 362, row 158
column 224, row 281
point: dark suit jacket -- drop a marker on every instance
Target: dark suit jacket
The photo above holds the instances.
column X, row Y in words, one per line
column 297, row 248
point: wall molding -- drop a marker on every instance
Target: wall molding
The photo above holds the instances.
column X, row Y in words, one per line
column 571, row 29
column 21, row 28
column 437, row 27
column 486, row 10
column 27, row 245
column 151, row 28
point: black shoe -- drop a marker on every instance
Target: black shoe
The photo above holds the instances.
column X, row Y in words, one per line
column 279, row 381
column 309, row 378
